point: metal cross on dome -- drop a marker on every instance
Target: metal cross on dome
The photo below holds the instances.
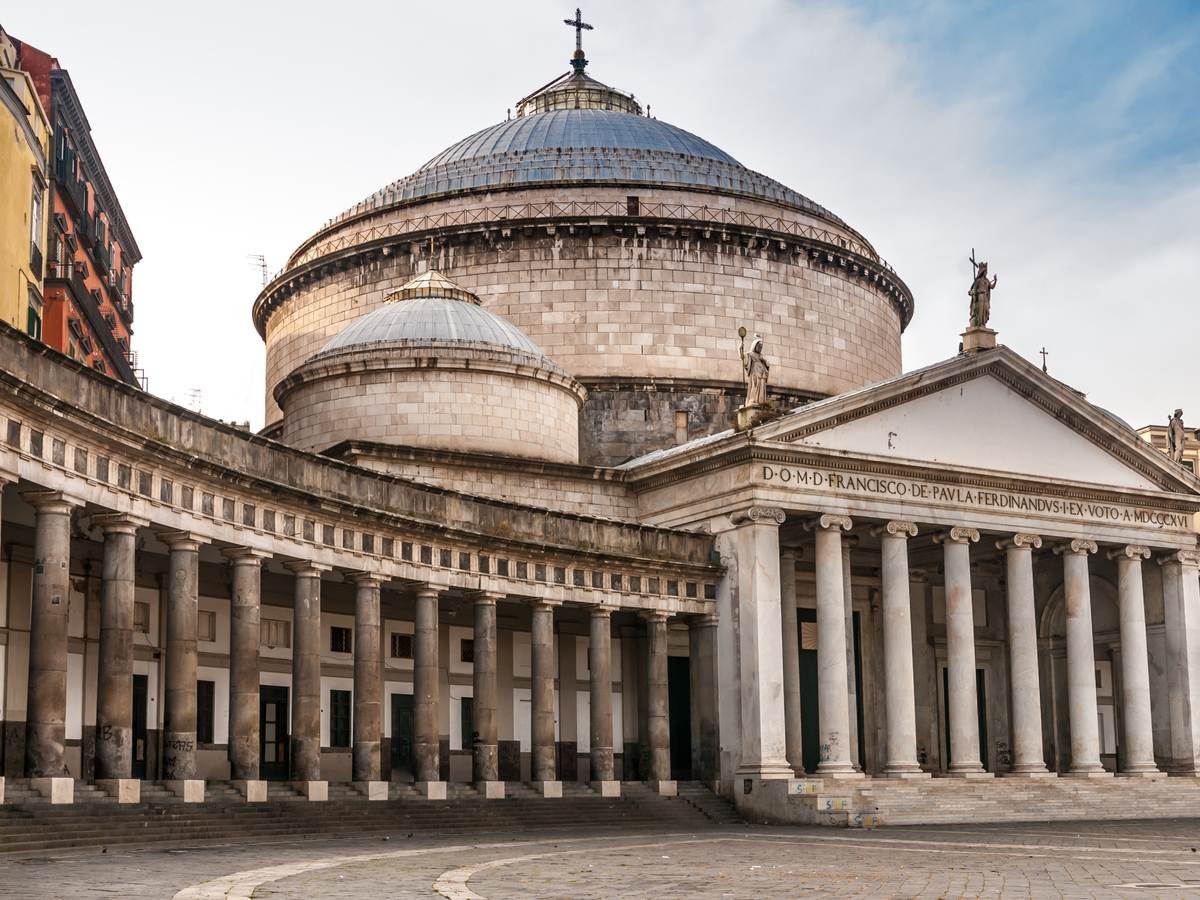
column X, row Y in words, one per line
column 578, row 61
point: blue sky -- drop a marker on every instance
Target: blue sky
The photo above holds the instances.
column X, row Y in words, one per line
column 1061, row 140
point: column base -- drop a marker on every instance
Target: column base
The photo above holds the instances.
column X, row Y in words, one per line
column 1148, row 774
column 56, row 790
column 373, row 790
column 914, row 773
column 1029, row 773
column 1089, row 773
column 253, row 789
column 432, row 790
column 767, row 771
column 547, row 788
column 970, row 774
column 607, row 788
column 664, row 788
column 314, row 791
column 189, row 790
column 125, row 790
column 491, row 790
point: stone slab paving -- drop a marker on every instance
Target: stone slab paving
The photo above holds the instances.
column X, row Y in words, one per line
column 1126, row 859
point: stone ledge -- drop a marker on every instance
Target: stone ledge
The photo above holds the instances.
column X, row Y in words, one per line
column 373, row 790
column 124, row 790
column 551, row 789
column 607, row 788
column 315, row 791
column 189, row 790
column 254, row 790
column 56, row 790
column 432, row 790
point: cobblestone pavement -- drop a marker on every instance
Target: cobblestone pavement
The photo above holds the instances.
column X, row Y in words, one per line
column 1125, row 859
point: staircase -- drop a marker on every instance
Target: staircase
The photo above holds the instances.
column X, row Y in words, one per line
column 30, row 824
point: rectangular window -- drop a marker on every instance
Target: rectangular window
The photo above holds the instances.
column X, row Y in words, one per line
column 681, row 426
column 206, row 625
column 466, row 650
column 141, row 617
column 204, row 711
column 340, row 640
column 339, row 718
column 402, row 646
column 275, row 633
column 467, row 710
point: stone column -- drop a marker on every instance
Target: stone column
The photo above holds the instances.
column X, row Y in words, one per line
column 114, row 683
column 601, row 731
column 179, row 712
column 658, row 718
column 899, row 684
column 923, row 671
column 306, row 681
column 789, row 628
column 46, row 706
column 960, row 651
column 849, row 542
column 245, row 616
column 426, row 701
column 1138, row 752
column 486, row 750
column 541, row 714
column 367, row 722
column 702, row 677
column 1028, row 755
column 832, row 700
column 1181, row 615
column 1081, row 659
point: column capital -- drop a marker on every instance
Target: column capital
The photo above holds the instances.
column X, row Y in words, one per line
column 542, row 601
column 1077, row 546
column 828, row 522
column 1020, row 541
column 766, row 515
column 959, row 534
column 429, row 591
column 245, row 556
column 703, row 620
column 896, row 528
column 364, row 579
column 918, row 576
column 792, row 553
column 603, row 611
column 1130, row 551
column 182, row 540
column 655, row 615
column 1181, row 558
column 51, row 501
column 303, row 568
column 117, row 523
column 487, row 598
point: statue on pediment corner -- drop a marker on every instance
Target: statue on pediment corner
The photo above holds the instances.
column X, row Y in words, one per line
column 1177, row 436
column 981, row 294
column 755, row 369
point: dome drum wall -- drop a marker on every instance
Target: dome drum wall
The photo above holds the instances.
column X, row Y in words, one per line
column 607, row 304
column 453, row 397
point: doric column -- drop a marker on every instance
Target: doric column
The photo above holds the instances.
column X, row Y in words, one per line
column 306, row 672
column 367, row 721
column 702, row 672
column 848, row 543
column 179, row 713
column 1028, row 756
column 426, row 701
column 658, row 719
column 960, row 651
column 899, row 683
column 114, row 683
column 542, row 665
column 1181, row 616
column 789, row 628
column 601, row 733
column 833, row 707
column 760, row 650
column 486, row 753
column 1081, row 658
column 245, row 614
column 1138, row 751
column 46, row 707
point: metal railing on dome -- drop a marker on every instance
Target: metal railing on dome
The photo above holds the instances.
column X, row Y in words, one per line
column 649, row 211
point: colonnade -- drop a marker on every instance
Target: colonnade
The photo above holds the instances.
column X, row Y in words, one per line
column 45, row 735
column 762, row 751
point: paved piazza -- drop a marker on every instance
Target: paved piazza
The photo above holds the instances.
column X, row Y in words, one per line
column 1120, row 859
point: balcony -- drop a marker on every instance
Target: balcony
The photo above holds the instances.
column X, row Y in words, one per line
column 35, row 261
column 100, row 254
column 85, row 303
column 73, row 190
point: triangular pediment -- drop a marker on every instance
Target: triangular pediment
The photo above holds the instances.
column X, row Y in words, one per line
column 991, row 411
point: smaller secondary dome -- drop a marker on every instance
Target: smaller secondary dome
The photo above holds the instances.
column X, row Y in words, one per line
column 432, row 309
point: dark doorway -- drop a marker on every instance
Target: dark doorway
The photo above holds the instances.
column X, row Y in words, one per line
column 141, row 691
column 273, row 739
column 856, row 627
column 679, row 696
column 403, row 726
column 981, row 705
column 810, row 714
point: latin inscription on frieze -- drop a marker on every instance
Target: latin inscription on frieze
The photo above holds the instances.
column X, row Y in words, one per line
column 885, row 487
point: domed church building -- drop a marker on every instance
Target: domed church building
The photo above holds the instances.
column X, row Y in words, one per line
column 591, row 469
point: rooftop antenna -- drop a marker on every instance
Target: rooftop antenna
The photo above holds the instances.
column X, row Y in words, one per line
column 578, row 61
column 1044, row 355
column 261, row 261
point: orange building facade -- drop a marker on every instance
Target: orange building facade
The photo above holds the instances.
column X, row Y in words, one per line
column 87, row 310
